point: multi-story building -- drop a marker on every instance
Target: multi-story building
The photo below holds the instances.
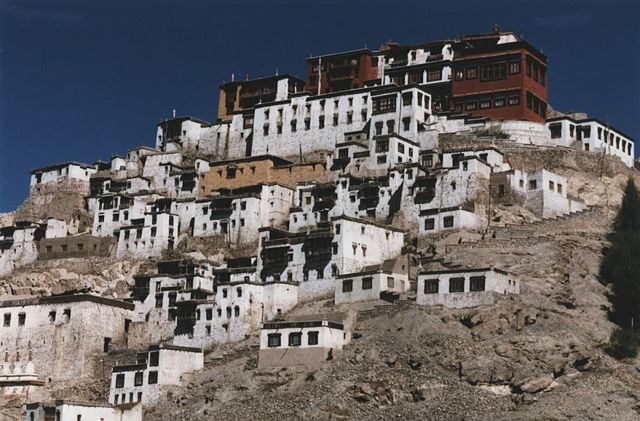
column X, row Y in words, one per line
column 499, row 75
column 238, row 96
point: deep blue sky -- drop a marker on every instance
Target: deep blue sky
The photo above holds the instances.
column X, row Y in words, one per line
column 81, row 80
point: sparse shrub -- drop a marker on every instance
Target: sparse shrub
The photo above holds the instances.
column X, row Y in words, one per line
column 621, row 268
column 624, row 343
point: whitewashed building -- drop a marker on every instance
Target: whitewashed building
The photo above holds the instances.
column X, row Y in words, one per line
column 149, row 236
column 385, row 281
column 65, row 172
column 67, row 410
column 591, row 135
column 19, row 245
column 159, row 366
column 313, row 258
column 238, row 214
column 302, row 340
column 461, row 288
column 62, row 335
column 542, row 192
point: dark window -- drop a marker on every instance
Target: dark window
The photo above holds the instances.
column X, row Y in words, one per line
column 21, row 319
column 347, row 285
column 154, row 358
column 514, row 100
column 472, row 72
column 384, row 104
column 494, row 71
column 312, row 338
column 431, row 286
column 382, row 146
column 456, row 285
column 498, row 102
column 429, row 224
column 138, row 379
column 406, row 124
column 477, row 283
column 434, row 75
column 120, row 381
column 153, row 377
column 391, row 124
column 106, row 344
column 274, row 340
column 448, row 221
column 556, row 130
column 485, row 103
column 295, row 339
column 406, row 98
column 158, row 300
column 514, row 67
column 459, row 74
column 470, row 106
column 367, row 283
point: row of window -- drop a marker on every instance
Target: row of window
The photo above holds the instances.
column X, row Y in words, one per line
column 581, row 132
column 430, row 223
column 152, row 378
column 536, row 105
column 65, row 248
column 123, row 399
column 367, row 283
column 499, row 71
column 417, row 77
column 22, row 317
column 476, row 283
column 488, row 72
column 486, row 103
column 307, row 123
column 295, row 339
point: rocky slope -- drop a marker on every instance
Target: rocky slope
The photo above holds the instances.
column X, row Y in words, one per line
column 538, row 356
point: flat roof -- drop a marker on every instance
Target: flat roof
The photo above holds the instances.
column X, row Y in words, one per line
column 262, row 79
column 448, row 271
column 590, row 120
column 360, row 51
column 61, row 165
column 367, row 222
column 275, row 159
column 184, row 118
column 62, row 299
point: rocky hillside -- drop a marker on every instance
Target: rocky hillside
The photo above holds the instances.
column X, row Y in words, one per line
column 538, row 356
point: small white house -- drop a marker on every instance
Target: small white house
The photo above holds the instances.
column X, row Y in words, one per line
column 303, row 340
column 58, row 173
column 591, row 135
column 461, row 288
column 65, row 410
column 542, row 192
column 373, row 283
column 158, row 366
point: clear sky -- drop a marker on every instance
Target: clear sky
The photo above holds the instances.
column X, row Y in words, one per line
column 85, row 79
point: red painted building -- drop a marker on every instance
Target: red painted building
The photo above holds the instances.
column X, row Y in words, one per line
column 499, row 75
column 341, row 71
